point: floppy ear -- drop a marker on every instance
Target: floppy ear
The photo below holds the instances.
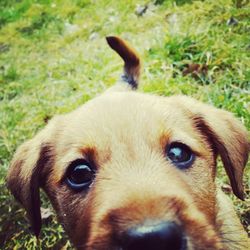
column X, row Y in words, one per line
column 27, row 174
column 131, row 60
column 228, row 138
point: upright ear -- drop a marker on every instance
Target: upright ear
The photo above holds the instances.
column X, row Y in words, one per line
column 131, row 60
column 27, row 174
column 228, row 138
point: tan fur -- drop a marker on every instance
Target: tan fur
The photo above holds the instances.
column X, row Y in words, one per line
column 125, row 134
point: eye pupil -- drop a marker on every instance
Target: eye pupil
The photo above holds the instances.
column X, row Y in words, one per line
column 180, row 155
column 79, row 175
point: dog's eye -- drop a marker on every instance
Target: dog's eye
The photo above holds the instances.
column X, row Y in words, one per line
column 79, row 175
column 180, row 155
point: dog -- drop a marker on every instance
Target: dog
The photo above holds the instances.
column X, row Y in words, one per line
column 130, row 171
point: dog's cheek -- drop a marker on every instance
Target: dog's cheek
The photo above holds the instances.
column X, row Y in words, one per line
column 201, row 179
column 73, row 211
column 76, row 216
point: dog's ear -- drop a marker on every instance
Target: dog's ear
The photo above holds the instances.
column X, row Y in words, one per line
column 27, row 174
column 228, row 138
column 131, row 60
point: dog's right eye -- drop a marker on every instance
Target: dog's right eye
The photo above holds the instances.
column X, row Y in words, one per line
column 79, row 175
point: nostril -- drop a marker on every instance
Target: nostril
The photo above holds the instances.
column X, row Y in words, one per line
column 163, row 236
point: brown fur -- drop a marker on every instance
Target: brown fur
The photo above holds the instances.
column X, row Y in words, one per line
column 130, row 58
column 124, row 134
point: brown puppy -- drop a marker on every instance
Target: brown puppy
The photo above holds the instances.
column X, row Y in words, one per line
column 134, row 171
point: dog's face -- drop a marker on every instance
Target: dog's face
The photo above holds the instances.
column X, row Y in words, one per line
column 132, row 171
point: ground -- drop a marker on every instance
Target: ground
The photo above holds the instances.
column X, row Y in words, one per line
column 54, row 57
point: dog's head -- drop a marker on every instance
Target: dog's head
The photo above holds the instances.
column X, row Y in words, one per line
column 130, row 170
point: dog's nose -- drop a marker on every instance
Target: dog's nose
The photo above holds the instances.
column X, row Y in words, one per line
column 163, row 236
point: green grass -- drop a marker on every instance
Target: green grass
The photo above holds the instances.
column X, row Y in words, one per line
column 53, row 58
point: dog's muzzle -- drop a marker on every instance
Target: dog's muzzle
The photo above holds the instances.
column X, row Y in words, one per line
column 164, row 236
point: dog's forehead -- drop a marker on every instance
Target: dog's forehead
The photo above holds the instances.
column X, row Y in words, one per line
column 119, row 114
column 114, row 109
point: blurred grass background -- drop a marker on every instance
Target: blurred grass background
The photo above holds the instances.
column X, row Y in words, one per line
column 53, row 58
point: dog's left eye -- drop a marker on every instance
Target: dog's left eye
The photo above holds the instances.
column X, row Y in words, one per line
column 79, row 175
column 180, row 155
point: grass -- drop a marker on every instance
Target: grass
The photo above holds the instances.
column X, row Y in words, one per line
column 53, row 58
